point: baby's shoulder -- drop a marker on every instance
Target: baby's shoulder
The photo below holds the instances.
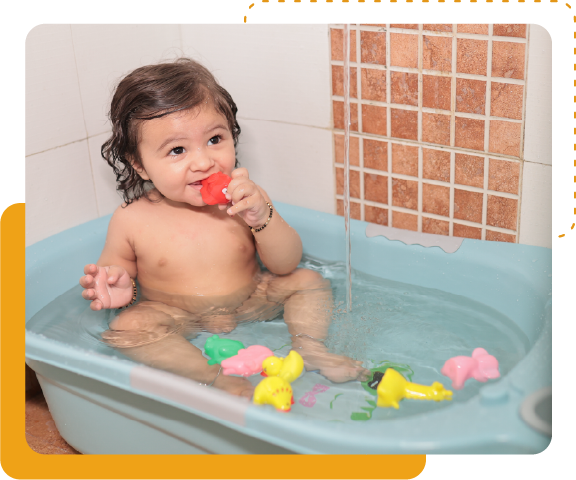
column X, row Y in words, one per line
column 132, row 212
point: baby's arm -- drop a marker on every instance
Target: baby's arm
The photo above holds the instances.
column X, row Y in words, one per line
column 278, row 244
column 108, row 283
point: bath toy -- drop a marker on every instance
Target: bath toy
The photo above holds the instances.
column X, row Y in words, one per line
column 394, row 387
column 274, row 391
column 309, row 398
column 288, row 368
column 247, row 362
column 214, row 187
column 219, row 349
column 481, row 366
column 372, row 383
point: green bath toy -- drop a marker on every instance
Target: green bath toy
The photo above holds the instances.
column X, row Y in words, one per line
column 219, row 349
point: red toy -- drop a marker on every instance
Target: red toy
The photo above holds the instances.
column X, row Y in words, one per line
column 214, row 187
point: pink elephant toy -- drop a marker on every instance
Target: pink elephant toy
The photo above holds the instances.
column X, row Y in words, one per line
column 481, row 366
column 247, row 362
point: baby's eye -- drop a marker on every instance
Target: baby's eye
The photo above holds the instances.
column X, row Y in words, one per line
column 177, row 151
column 214, row 140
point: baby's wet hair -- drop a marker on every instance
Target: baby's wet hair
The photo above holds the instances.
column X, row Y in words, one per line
column 154, row 91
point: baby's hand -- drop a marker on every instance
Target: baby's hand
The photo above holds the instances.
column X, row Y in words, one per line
column 247, row 199
column 107, row 287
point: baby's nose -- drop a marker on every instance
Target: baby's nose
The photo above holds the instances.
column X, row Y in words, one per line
column 201, row 160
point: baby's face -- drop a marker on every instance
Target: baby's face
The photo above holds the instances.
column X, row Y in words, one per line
column 181, row 149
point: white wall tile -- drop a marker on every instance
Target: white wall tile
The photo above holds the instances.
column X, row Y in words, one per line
column 273, row 72
column 107, row 197
column 536, row 207
column 105, row 53
column 59, row 191
column 53, row 106
column 292, row 163
column 538, row 128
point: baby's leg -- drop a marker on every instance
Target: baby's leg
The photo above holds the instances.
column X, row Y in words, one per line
column 153, row 333
column 308, row 305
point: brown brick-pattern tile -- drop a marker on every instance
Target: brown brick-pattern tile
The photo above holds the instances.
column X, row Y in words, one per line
column 338, row 81
column 471, row 56
column 405, row 193
column 468, row 205
column 469, row 170
column 436, row 92
column 376, row 215
column 503, row 176
column 376, row 188
column 509, row 30
column 355, row 212
column 407, row 221
column 502, row 212
column 405, row 159
column 481, row 29
column 404, row 88
column 373, row 47
column 469, row 133
column 412, row 26
column 470, row 96
column 404, row 123
column 432, row 225
column 337, row 44
column 373, row 84
column 508, row 59
column 354, row 182
column 505, row 137
column 375, row 154
column 500, row 237
column 374, row 119
column 506, row 100
column 436, row 128
column 403, row 50
column 436, row 199
column 437, row 54
column 354, row 149
column 436, row 164
column 438, row 27
column 466, row 231
column 338, row 112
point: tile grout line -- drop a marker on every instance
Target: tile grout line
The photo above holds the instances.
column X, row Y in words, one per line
column 85, row 127
column 487, row 112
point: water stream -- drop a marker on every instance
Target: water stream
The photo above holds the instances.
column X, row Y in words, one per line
column 346, row 53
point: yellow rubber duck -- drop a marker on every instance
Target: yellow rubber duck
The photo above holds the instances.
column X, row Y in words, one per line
column 288, row 368
column 274, row 391
column 394, row 387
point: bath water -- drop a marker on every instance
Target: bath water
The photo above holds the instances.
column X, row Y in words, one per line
column 413, row 328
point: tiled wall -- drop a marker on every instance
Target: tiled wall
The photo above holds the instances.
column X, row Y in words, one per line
column 437, row 126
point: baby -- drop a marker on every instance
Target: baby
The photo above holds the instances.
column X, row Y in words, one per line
column 173, row 126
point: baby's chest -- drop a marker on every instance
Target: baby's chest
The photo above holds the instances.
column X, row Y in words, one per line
column 177, row 247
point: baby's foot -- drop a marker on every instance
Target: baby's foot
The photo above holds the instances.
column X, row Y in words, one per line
column 339, row 368
column 235, row 385
column 219, row 323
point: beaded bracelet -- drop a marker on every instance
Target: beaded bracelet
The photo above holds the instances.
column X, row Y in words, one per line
column 134, row 293
column 254, row 230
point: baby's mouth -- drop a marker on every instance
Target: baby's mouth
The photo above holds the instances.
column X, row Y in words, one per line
column 196, row 185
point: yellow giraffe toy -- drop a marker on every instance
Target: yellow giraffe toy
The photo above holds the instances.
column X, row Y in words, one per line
column 394, row 387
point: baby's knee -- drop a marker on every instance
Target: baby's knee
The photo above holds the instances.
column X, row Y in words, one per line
column 305, row 279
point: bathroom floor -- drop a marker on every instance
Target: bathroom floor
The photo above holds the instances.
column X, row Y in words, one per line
column 41, row 432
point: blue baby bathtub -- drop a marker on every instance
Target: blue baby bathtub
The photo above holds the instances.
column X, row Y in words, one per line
column 133, row 409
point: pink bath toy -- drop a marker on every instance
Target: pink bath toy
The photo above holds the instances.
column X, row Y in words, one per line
column 309, row 398
column 481, row 366
column 247, row 362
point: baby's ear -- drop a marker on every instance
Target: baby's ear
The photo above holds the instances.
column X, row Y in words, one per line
column 136, row 165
